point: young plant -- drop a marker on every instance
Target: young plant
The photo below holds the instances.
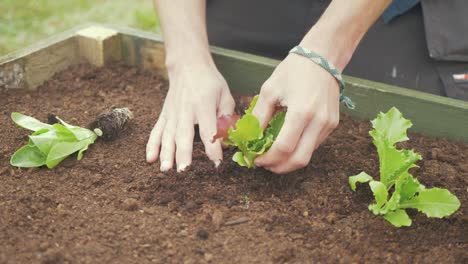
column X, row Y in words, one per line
column 247, row 135
column 389, row 129
column 51, row 143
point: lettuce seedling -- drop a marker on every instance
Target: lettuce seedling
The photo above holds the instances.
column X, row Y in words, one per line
column 389, row 129
column 50, row 144
column 247, row 135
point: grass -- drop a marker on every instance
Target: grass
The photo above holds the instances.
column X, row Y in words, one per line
column 23, row 22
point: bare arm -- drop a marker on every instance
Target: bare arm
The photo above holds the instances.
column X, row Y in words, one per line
column 183, row 25
column 311, row 93
column 197, row 91
column 342, row 26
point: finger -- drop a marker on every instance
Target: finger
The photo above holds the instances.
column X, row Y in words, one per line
column 184, row 142
column 333, row 121
column 265, row 106
column 303, row 153
column 168, row 147
column 154, row 141
column 226, row 104
column 226, row 107
column 324, row 134
column 285, row 143
column 322, row 137
column 207, row 126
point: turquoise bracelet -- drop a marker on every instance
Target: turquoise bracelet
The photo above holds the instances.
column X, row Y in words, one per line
column 322, row 62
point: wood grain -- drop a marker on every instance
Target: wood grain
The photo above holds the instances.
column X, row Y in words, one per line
column 99, row 45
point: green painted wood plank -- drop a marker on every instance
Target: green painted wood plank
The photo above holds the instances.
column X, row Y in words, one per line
column 432, row 115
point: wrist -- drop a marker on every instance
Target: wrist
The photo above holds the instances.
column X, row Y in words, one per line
column 179, row 59
column 192, row 67
column 333, row 45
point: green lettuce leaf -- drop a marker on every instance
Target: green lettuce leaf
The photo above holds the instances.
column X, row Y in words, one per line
column 398, row 218
column 79, row 132
column 275, row 124
column 28, row 122
column 407, row 187
column 62, row 150
column 44, row 141
column 389, row 129
column 250, row 138
column 252, row 105
column 434, row 202
column 27, row 157
column 380, row 192
column 247, row 129
column 361, row 178
column 241, row 160
column 50, row 144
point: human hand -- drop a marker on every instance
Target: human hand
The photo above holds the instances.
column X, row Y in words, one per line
column 197, row 94
column 311, row 95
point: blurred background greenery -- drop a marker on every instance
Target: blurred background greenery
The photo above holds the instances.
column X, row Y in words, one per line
column 23, row 22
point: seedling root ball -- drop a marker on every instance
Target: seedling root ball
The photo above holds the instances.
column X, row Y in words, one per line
column 111, row 122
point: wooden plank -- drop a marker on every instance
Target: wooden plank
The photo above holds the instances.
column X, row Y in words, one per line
column 147, row 49
column 245, row 73
column 143, row 49
column 42, row 65
column 30, row 67
column 33, row 69
column 99, row 45
column 432, row 115
column 12, row 75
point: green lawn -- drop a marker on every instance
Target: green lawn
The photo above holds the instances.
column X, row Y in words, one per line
column 23, row 22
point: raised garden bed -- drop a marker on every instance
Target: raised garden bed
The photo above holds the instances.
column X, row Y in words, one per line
column 114, row 207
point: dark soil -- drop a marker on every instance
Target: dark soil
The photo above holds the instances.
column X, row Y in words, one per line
column 113, row 207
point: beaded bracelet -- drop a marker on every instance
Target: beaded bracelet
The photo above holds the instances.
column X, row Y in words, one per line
column 322, row 62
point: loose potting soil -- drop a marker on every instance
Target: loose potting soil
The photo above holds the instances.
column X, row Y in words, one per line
column 113, row 207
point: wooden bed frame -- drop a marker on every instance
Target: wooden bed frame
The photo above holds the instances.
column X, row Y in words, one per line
column 99, row 44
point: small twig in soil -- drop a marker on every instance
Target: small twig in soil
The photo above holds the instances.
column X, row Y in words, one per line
column 237, row 221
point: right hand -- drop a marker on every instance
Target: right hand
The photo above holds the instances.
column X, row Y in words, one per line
column 197, row 94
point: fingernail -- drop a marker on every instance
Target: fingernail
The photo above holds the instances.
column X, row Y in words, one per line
column 182, row 167
column 165, row 165
column 217, row 162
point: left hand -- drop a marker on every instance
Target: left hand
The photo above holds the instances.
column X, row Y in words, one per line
column 311, row 95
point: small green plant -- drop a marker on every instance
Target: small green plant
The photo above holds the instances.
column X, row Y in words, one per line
column 247, row 135
column 389, row 129
column 51, row 143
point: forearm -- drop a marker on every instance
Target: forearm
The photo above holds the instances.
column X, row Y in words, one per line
column 183, row 26
column 341, row 28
